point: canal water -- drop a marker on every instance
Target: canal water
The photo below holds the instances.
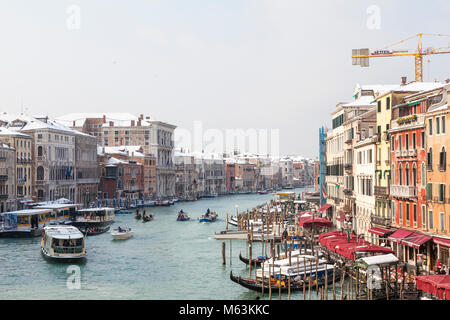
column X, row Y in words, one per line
column 165, row 259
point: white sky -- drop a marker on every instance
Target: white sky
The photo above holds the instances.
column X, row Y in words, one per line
column 232, row 64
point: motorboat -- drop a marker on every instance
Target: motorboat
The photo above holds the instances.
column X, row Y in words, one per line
column 182, row 216
column 94, row 231
column 122, row 234
column 147, row 218
column 163, row 203
column 63, row 243
column 94, row 217
column 24, row 223
column 208, row 218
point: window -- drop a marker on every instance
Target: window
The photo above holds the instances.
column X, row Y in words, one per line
column 388, row 103
column 422, row 139
column 40, row 151
column 437, row 125
column 400, row 142
column 400, row 208
column 441, row 192
column 393, row 174
column 40, row 173
column 430, row 127
column 424, row 217
column 407, row 141
column 400, row 175
column 414, row 182
column 414, row 141
column 415, row 213
column 430, row 159
column 379, row 106
column 443, row 124
column 429, row 191
column 442, row 221
column 407, row 174
column 392, row 143
column 407, row 205
column 442, row 159
column 430, row 219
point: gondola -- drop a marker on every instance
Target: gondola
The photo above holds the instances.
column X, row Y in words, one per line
column 246, row 260
column 256, row 286
column 183, row 217
column 295, row 286
column 147, row 218
column 95, row 231
column 138, row 216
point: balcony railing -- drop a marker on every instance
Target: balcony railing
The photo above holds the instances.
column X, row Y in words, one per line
column 3, row 177
column 398, row 153
column 381, row 191
column 348, row 192
column 403, row 191
column 3, row 196
column 412, row 152
column 348, row 167
column 21, row 181
column 379, row 220
column 404, row 153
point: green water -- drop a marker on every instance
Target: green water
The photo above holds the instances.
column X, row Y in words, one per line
column 165, row 259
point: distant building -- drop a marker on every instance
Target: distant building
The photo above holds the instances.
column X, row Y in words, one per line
column 7, row 178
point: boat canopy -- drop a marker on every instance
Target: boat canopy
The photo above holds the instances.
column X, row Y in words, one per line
column 438, row 285
column 27, row 212
column 56, row 206
column 63, row 232
column 96, row 209
column 384, row 259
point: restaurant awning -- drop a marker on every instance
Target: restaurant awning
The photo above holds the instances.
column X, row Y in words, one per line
column 437, row 285
column 415, row 240
column 318, row 222
column 379, row 231
column 398, row 235
column 325, row 207
column 442, row 241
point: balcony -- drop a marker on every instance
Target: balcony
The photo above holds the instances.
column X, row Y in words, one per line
column 3, row 196
column 2, row 159
column 382, row 221
column 348, row 167
column 349, row 141
column 398, row 153
column 381, row 191
column 404, row 153
column 348, row 192
column 403, row 191
column 3, row 177
column 21, row 181
column 412, row 152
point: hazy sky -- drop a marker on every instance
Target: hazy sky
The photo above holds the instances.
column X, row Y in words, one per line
column 232, row 64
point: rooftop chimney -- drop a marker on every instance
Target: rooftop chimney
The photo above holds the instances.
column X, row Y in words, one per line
column 132, row 123
column 104, row 119
column 141, row 117
column 447, row 80
column 73, row 124
column 111, row 123
column 139, row 123
column 403, row 81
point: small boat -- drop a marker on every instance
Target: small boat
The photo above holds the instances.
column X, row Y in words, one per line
column 123, row 211
column 94, row 231
column 147, row 218
column 182, row 216
column 263, row 192
column 122, row 234
column 63, row 244
column 210, row 218
column 94, row 217
column 138, row 216
column 275, row 284
column 258, row 260
column 162, row 203
column 150, row 203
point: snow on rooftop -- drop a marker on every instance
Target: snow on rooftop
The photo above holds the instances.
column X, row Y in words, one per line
column 122, row 119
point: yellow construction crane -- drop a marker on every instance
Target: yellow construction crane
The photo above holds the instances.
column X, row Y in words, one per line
column 361, row 56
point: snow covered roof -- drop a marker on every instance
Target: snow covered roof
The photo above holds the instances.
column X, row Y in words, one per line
column 413, row 87
column 31, row 123
column 8, row 132
column 122, row 119
column 361, row 101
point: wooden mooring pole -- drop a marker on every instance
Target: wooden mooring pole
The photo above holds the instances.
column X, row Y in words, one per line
column 223, row 253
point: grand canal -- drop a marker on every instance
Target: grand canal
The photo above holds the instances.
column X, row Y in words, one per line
column 165, row 259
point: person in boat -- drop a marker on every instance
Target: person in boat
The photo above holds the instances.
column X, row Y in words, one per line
column 120, row 229
column 284, row 235
column 207, row 213
column 143, row 213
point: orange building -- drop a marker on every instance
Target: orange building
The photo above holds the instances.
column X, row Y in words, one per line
column 436, row 220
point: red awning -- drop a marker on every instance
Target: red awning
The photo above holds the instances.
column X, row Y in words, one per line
column 398, row 235
column 435, row 284
column 325, row 207
column 415, row 240
column 318, row 222
column 442, row 241
column 379, row 231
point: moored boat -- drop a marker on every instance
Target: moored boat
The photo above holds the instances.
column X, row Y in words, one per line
column 94, row 231
column 24, row 223
column 94, row 217
column 258, row 260
column 63, row 243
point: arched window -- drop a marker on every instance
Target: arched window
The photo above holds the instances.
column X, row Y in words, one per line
column 400, row 176
column 40, row 173
column 442, row 159
column 407, row 174
column 40, row 151
column 430, row 159
column 414, row 182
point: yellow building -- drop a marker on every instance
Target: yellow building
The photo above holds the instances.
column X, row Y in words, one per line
column 22, row 144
